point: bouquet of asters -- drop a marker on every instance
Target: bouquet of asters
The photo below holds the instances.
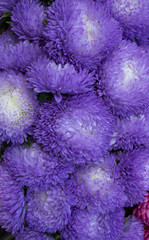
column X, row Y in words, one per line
column 74, row 119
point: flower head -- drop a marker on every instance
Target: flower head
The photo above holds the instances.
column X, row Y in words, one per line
column 133, row 229
column 7, row 5
column 17, row 107
column 126, row 79
column 12, row 203
column 146, row 232
column 141, row 212
column 32, row 167
column 30, row 234
column 97, row 186
column 93, row 225
column 134, row 167
column 78, row 130
column 82, row 30
column 133, row 15
column 47, row 211
column 45, row 76
column 21, row 55
column 7, row 38
column 27, row 19
column 131, row 133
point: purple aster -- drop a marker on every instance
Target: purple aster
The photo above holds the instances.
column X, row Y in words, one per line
column 131, row 133
column 12, row 203
column 45, row 76
column 79, row 129
column 27, row 19
column 126, row 79
column 133, row 229
column 91, row 225
column 81, row 30
column 97, row 186
column 20, row 55
column 33, row 167
column 134, row 168
column 7, row 38
column 30, row 234
column 7, row 5
column 18, row 106
column 133, row 16
column 47, row 210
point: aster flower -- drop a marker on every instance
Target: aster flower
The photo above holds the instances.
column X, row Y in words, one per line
column 30, row 234
column 135, row 174
column 45, row 76
column 126, row 79
column 7, row 38
column 141, row 212
column 97, row 186
column 93, row 225
column 7, row 5
column 133, row 229
column 146, row 232
column 133, row 15
column 47, row 211
column 79, row 129
column 27, row 19
column 12, row 203
column 32, row 167
column 17, row 107
column 131, row 133
column 20, row 55
column 81, row 30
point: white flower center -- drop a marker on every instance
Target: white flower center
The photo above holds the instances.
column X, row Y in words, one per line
column 14, row 105
column 96, row 178
column 130, row 73
column 91, row 27
column 127, row 5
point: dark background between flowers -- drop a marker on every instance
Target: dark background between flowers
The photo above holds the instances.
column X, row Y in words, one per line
column 5, row 23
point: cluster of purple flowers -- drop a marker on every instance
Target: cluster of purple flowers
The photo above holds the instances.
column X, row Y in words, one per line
column 74, row 118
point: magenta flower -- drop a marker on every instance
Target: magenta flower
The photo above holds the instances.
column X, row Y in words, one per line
column 142, row 211
column 146, row 232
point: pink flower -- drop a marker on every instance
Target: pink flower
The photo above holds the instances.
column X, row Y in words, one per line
column 142, row 212
column 146, row 233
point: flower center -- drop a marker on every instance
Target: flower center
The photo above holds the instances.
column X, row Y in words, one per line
column 13, row 104
column 91, row 28
column 130, row 73
column 78, row 125
column 96, row 178
column 126, row 6
column 87, row 27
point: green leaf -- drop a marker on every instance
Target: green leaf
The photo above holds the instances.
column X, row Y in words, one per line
column 9, row 22
column 47, row 3
column 28, row 142
column 45, row 21
column 44, row 96
column 117, row 161
column 55, row 235
column 50, row 2
column 7, row 14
